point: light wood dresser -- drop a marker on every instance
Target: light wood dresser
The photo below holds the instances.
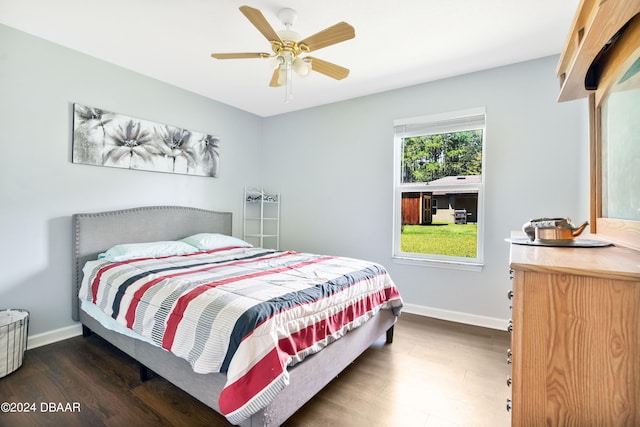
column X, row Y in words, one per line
column 575, row 343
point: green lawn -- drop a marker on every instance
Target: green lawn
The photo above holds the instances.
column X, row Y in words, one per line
column 440, row 239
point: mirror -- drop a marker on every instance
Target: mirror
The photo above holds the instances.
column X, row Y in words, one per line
column 620, row 146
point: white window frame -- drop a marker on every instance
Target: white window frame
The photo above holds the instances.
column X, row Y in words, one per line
column 455, row 121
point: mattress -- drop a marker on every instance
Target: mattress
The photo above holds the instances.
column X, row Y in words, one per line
column 248, row 312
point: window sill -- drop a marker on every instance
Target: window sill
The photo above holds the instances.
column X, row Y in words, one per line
column 449, row 264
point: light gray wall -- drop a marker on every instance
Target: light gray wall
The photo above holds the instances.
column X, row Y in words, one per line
column 333, row 165
column 40, row 187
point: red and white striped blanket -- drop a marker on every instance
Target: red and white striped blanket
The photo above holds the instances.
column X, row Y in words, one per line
column 246, row 312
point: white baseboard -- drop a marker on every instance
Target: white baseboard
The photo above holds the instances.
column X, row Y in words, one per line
column 456, row 316
column 453, row 316
column 50, row 337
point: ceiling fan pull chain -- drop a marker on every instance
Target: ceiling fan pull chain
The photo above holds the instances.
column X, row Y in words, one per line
column 289, row 85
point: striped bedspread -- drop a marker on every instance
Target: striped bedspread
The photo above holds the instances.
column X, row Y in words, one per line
column 246, row 312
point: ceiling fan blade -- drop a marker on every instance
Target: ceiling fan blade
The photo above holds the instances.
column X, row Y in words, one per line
column 328, row 69
column 240, row 55
column 259, row 21
column 332, row 35
column 274, row 78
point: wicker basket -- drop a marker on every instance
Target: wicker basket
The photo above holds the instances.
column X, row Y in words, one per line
column 14, row 327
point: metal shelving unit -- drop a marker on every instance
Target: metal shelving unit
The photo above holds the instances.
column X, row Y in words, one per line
column 261, row 226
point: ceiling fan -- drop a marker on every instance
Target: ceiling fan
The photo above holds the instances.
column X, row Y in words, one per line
column 288, row 48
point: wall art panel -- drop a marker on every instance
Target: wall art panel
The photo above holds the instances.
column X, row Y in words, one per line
column 104, row 138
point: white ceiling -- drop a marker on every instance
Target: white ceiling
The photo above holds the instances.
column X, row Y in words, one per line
column 397, row 44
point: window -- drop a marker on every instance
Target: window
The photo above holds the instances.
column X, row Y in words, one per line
column 438, row 186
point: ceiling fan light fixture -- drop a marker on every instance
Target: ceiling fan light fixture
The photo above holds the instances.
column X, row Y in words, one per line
column 287, row 48
column 276, row 62
column 282, row 76
column 301, row 66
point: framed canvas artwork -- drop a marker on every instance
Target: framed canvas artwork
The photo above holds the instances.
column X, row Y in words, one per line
column 110, row 139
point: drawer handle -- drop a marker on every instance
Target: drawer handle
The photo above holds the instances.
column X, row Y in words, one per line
column 510, row 326
column 510, row 294
column 508, row 405
column 509, row 381
column 509, row 356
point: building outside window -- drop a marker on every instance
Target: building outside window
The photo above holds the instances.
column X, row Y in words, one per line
column 438, row 162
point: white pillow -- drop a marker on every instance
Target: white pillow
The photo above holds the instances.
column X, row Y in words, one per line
column 209, row 241
column 129, row 251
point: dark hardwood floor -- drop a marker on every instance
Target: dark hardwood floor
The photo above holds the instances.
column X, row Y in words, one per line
column 435, row 373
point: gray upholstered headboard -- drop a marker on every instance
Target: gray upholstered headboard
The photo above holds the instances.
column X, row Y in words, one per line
column 94, row 233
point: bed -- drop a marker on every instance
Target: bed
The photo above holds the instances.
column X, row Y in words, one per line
column 304, row 374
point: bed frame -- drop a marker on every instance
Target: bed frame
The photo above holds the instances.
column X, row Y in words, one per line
column 93, row 233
